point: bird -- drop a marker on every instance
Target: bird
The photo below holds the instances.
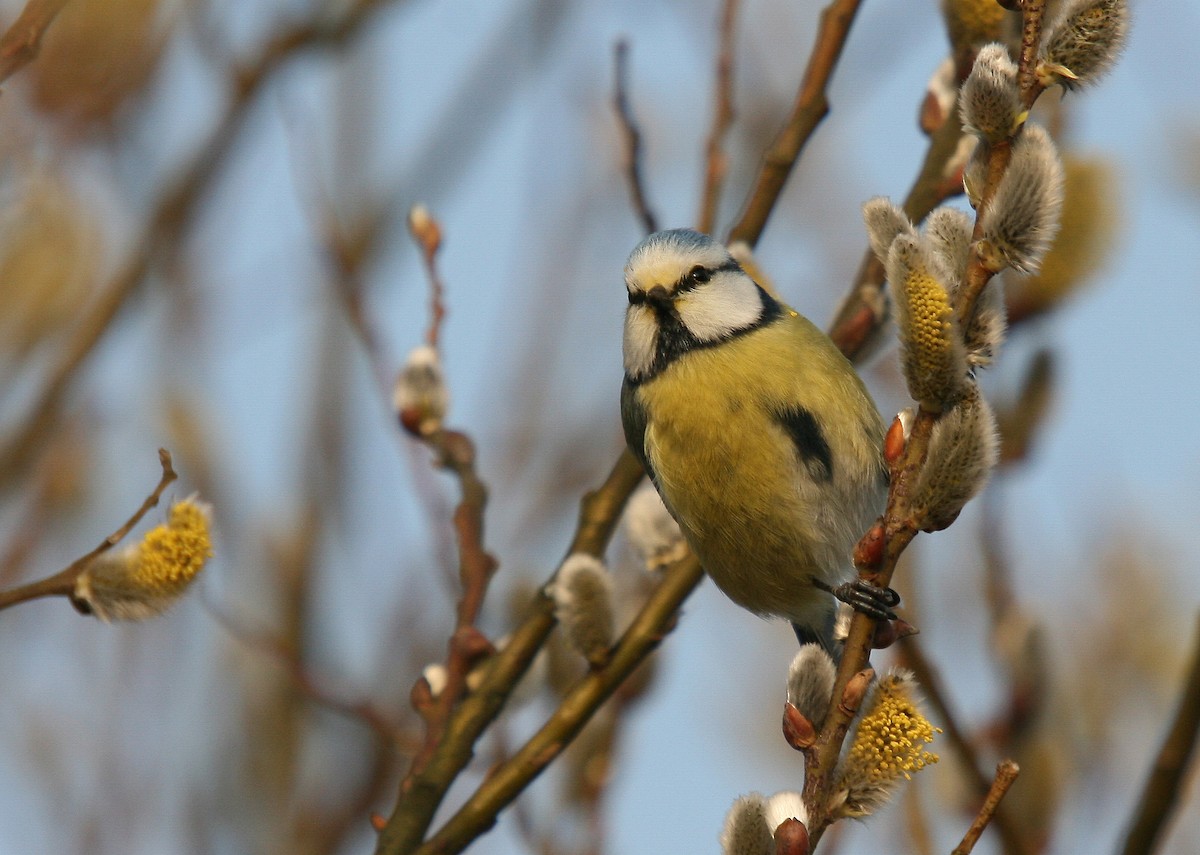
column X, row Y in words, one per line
column 758, row 434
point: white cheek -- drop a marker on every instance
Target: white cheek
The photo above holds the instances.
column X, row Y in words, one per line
column 641, row 340
column 726, row 304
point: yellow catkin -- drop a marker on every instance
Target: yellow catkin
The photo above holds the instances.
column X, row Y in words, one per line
column 934, row 361
column 891, row 738
column 1083, row 243
column 171, row 555
column 145, row 579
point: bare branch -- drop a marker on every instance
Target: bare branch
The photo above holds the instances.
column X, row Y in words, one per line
column 1165, row 784
column 1006, row 773
column 421, row 794
column 931, row 685
column 811, row 106
column 716, row 160
column 21, row 42
column 505, row 782
column 633, row 137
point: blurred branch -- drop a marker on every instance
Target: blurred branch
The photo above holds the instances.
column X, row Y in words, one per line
column 63, row 582
column 21, row 42
column 1160, row 797
column 931, row 685
column 716, row 159
column 811, row 106
column 420, row 795
column 633, row 136
column 167, row 223
column 1006, row 773
column 310, row 686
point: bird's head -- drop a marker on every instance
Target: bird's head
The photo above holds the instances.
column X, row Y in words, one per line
column 685, row 291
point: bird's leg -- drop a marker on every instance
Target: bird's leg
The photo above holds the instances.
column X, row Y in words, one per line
column 863, row 597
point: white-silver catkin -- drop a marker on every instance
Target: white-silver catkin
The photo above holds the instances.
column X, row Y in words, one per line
column 963, row 450
column 651, row 529
column 783, row 806
column 990, row 98
column 745, row 831
column 884, row 221
column 583, row 604
column 1082, row 41
column 1021, row 219
column 810, row 682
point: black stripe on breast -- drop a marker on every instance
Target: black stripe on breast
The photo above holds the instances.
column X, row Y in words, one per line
column 809, row 440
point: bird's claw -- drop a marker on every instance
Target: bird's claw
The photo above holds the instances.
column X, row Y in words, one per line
column 864, row 597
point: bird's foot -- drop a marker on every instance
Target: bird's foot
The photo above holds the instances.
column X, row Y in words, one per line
column 864, row 597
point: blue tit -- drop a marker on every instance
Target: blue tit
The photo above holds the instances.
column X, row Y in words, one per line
column 760, row 437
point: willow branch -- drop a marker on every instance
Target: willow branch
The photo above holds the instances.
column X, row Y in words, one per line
column 810, row 107
column 998, row 155
column 421, row 794
column 506, row 782
column 716, row 160
column 1165, row 784
column 62, row 583
column 900, row 525
column 1006, row 773
column 22, row 41
column 633, row 137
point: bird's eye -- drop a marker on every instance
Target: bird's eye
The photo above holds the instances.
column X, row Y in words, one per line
column 699, row 275
column 636, row 297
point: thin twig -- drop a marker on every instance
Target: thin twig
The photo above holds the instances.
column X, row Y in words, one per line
column 633, row 137
column 1006, row 773
column 455, row 452
column 21, row 42
column 1165, row 784
column 62, row 583
column 716, row 159
column 931, row 685
column 811, row 106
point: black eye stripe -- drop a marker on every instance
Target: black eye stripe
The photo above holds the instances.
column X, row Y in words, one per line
column 689, row 281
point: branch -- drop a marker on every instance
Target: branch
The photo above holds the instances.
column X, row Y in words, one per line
column 62, row 583
column 1165, row 782
column 507, row 781
column 1006, row 773
column 633, row 137
column 421, row 794
column 716, row 160
column 21, row 42
column 900, row 523
column 811, row 106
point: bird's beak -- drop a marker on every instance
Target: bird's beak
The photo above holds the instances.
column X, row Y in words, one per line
column 659, row 298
